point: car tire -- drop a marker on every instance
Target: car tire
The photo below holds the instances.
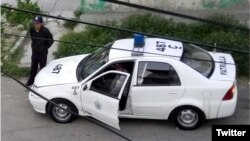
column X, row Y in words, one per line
column 187, row 117
column 60, row 115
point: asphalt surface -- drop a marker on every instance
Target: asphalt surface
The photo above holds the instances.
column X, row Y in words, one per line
column 19, row 122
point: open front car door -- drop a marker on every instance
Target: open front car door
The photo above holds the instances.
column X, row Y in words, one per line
column 100, row 96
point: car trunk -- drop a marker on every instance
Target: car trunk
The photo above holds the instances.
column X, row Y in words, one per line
column 224, row 67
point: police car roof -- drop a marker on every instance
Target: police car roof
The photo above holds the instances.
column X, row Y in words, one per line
column 155, row 47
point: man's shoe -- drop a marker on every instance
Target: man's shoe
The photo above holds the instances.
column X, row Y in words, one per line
column 28, row 84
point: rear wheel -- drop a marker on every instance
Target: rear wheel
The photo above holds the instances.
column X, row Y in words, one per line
column 60, row 115
column 187, row 118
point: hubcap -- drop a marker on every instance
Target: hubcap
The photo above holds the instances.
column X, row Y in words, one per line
column 60, row 113
column 188, row 117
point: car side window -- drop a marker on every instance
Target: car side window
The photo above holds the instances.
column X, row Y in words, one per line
column 157, row 73
column 109, row 84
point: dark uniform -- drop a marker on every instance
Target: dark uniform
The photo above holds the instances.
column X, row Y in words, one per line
column 39, row 51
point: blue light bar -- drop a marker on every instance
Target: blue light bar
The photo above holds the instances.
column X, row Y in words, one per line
column 139, row 40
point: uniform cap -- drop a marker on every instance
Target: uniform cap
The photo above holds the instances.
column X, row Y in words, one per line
column 38, row 19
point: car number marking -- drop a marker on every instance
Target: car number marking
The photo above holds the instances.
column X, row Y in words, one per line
column 161, row 46
column 75, row 88
column 57, row 68
column 223, row 66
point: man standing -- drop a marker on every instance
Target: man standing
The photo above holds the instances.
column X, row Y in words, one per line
column 40, row 43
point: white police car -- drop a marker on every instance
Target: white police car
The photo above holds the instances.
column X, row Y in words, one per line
column 160, row 79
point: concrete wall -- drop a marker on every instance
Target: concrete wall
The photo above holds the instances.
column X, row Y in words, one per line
column 200, row 8
column 51, row 5
column 97, row 5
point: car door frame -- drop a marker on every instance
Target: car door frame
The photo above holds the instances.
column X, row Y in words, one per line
column 159, row 60
column 109, row 116
column 132, row 76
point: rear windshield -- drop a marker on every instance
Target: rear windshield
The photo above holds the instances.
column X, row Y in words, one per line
column 195, row 57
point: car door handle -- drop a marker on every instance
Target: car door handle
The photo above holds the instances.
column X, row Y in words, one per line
column 85, row 87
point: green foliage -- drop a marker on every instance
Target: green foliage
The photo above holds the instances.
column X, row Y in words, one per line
column 15, row 17
column 78, row 13
column 198, row 32
column 10, row 66
column 14, row 70
column 2, row 28
column 72, row 25
column 92, row 35
column 69, row 24
column 4, row 10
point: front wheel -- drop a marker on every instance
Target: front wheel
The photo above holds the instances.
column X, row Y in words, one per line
column 60, row 115
column 187, row 118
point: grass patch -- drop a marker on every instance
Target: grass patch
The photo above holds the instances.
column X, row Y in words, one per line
column 69, row 24
column 16, row 17
column 10, row 66
column 198, row 32
column 92, row 35
column 8, row 42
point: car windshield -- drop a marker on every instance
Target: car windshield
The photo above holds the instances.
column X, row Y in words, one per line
column 193, row 56
column 93, row 62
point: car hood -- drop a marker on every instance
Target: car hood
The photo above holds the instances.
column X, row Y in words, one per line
column 60, row 71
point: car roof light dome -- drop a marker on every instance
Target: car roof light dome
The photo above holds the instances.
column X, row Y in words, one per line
column 139, row 40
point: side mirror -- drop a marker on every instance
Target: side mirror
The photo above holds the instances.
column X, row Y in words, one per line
column 85, row 87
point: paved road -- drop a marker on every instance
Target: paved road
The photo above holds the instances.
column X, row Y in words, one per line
column 21, row 123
